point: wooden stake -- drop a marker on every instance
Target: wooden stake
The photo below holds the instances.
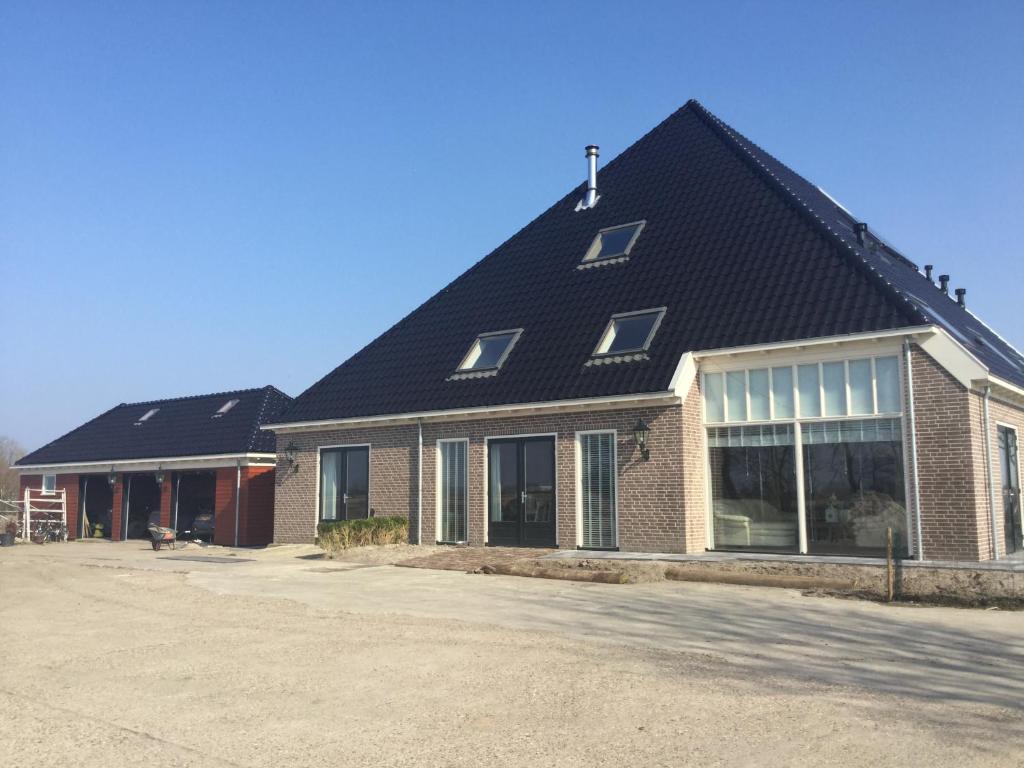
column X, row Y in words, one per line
column 890, row 575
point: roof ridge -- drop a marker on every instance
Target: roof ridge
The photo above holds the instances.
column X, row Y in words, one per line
column 192, row 397
column 729, row 138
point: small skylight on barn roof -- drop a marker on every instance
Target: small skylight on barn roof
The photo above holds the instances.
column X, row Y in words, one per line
column 147, row 416
column 225, row 408
column 489, row 350
column 614, row 242
column 630, row 332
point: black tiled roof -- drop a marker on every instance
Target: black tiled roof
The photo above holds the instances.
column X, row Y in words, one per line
column 183, row 426
column 739, row 248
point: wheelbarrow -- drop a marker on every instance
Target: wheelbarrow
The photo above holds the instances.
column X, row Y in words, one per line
column 162, row 536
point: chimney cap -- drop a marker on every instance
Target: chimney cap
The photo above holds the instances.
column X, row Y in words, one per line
column 961, row 293
column 591, row 149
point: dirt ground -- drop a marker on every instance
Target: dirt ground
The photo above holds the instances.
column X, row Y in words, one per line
column 115, row 656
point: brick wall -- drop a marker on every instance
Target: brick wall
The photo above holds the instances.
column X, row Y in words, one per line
column 653, row 514
column 950, row 464
column 256, row 523
column 392, row 477
column 956, row 515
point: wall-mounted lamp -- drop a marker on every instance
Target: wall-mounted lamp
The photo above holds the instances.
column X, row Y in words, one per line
column 640, row 433
column 112, row 478
column 291, row 455
column 159, row 475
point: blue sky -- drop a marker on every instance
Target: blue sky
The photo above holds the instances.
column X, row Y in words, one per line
column 200, row 196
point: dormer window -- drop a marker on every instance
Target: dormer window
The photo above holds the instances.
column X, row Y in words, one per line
column 614, row 242
column 147, row 416
column 489, row 351
column 630, row 332
column 225, row 408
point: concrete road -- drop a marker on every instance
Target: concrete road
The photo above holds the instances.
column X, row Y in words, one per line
column 117, row 656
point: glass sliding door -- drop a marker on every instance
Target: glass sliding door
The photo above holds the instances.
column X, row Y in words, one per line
column 452, row 472
column 1010, row 473
column 853, row 485
column 808, row 457
column 345, row 483
column 597, row 490
column 753, row 488
column 521, row 492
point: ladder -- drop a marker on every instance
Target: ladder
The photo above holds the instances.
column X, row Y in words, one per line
column 44, row 513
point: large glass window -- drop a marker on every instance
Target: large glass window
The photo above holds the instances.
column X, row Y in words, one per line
column 753, row 488
column 841, row 418
column 344, row 483
column 853, row 485
column 861, row 387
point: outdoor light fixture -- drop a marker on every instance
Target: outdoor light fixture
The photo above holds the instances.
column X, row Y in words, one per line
column 112, row 477
column 640, row 433
column 291, row 453
column 160, row 475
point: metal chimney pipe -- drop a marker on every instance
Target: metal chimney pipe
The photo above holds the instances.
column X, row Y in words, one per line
column 944, row 284
column 590, row 199
column 961, row 297
column 860, row 229
column 591, row 175
column 928, row 272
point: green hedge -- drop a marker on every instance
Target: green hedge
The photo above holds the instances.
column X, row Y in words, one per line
column 335, row 535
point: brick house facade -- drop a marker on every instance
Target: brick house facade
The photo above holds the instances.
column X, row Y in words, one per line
column 804, row 388
column 198, row 464
column 663, row 504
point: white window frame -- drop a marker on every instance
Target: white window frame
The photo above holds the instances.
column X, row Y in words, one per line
column 601, row 350
column 793, row 364
column 474, row 347
column 437, row 488
column 48, row 491
column 747, row 363
column 579, row 481
column 591, row 256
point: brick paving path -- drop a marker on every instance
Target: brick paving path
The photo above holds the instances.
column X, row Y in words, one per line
column 469, row 559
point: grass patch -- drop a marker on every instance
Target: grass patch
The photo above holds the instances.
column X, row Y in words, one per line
column 339, row 535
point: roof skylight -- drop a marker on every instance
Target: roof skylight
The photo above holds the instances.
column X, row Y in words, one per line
column 489, row 350
column 630, row 332
column 225, row 408
column 147, row 416
column 614, row 242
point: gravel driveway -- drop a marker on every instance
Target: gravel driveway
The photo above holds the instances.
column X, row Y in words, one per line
column 118, row 656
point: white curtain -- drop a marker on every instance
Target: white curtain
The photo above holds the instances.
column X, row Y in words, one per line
column 330, row 474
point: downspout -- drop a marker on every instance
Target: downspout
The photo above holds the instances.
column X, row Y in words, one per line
column 419, row 482
column 177, row 497
column 990, row 475
column 238, row 491
column 919, row 548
